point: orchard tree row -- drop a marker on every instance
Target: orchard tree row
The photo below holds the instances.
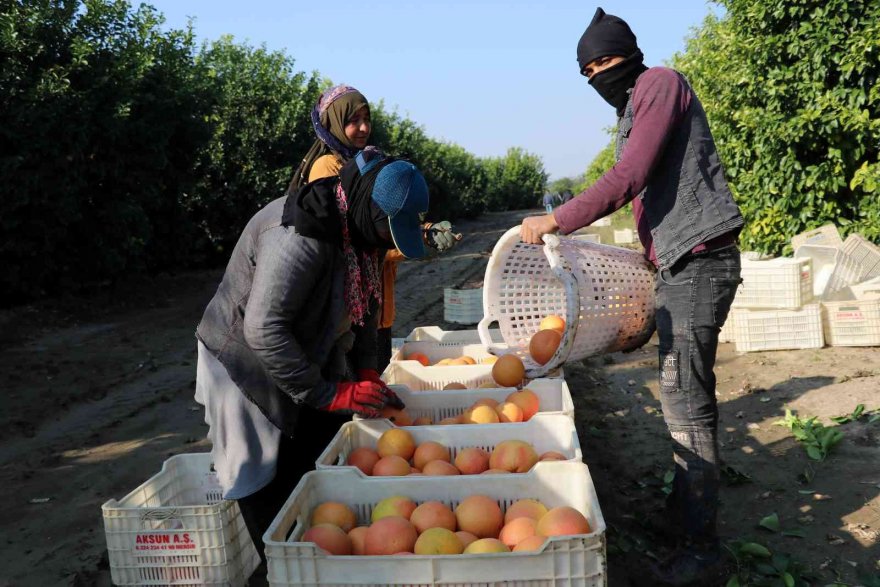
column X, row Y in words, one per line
column 128, row 148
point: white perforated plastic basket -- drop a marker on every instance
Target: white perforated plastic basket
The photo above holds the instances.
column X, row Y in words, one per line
column 826, row 235
column 782, row 283
column 768, row 330
column 605, row 294
column 175, row 529
column 554, row 397
column 554, row 432
column 575, row 560
column 852, row 323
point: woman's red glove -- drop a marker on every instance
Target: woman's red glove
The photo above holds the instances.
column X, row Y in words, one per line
column 370, row 375
column 364, row 398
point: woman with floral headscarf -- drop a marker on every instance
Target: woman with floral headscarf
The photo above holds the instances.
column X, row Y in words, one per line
column 341, row 120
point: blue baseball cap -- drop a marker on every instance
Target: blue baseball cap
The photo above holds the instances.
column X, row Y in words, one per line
column 401, row 192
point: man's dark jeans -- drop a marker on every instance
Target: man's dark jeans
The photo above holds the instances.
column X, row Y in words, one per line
column 693, row 300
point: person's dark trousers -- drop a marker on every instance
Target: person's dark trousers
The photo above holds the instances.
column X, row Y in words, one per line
column 296, row 457
column 383, row 348
column 692, row 303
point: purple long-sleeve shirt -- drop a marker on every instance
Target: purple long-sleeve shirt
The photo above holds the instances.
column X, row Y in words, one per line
column 660, row 100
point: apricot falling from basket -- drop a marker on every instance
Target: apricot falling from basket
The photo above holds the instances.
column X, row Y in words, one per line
column 508, row 371
column 553, row 322
column 543, row 345
column 420, row 357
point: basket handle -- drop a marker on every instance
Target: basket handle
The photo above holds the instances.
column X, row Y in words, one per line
column 572, row 308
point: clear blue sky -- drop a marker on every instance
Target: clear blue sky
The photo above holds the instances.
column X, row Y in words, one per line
column 485, row 74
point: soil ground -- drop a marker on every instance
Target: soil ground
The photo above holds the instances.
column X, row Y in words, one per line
column 97, row 393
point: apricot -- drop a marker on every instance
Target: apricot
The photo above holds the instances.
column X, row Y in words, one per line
column 486, row 545
column 397, row 417
column 391, row 466
column 396, row 442
column 517, row 530
column 481, row 415
column 329, row 537
column 513, row 456
column 508, row 371
column 468, row 360
column 528, row 508
column 433, row 514
column 438, row 541
column 552, row 455
column 335, row 513
column 562, row 521
column 490, row 360
column 396, row 505
column 531, row 543
column 495, row 472
column 390, row 535
column 358, row 535
column 420, row 357
column 455, row 385
column 466, row 537
column 440, row 468
column 472, row 461
column 487, row 385
column 430, row 451
column 449, row 420
column 486, row 401
column 442, row 362
column 553, row 322
column 479, row 515
column 543, row 345
column 364, row 458
column 527, row 401
column 422, row 421
column 509, row 412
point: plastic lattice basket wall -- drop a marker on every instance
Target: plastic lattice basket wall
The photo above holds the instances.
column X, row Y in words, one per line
column 605, row 294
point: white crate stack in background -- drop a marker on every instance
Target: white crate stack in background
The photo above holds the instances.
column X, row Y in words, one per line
column 820, row 296
column 463, row 306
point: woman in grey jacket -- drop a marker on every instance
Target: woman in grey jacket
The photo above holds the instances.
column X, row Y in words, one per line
column 287, row 346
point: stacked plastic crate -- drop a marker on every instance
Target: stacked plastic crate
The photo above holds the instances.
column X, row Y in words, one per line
column 827, row 293
column 577, row 559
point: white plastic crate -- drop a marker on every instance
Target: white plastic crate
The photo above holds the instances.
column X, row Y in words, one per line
column 857, row 260
column 420, row 378
column 604, row 221
column 553, row 395
column 778, row 283
column 852, row 323
column 866, row 290
column 554, row 432
column 767, row 330
column 823, row 259
column 586, row 237
column 575, row 560
column 450, row 337
column 826, row 235
column 624, row 236
column 462, row 306
column 435, row 351
column 726, row 334
column 176, row 529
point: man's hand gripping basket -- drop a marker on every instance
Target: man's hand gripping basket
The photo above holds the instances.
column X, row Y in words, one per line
column 605, row 294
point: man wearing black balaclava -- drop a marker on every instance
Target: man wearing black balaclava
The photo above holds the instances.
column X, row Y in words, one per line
column 668, row 167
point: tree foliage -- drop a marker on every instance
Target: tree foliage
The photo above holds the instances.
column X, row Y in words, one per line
column 127, row 148
column 791, row 91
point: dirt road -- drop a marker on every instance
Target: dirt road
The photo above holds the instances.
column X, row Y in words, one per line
column 97, row 393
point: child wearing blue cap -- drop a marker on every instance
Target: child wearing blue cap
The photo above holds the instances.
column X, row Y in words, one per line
column 287, row 346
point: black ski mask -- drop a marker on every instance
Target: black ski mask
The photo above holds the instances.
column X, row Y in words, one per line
column 614, row 82
column 610, row 36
